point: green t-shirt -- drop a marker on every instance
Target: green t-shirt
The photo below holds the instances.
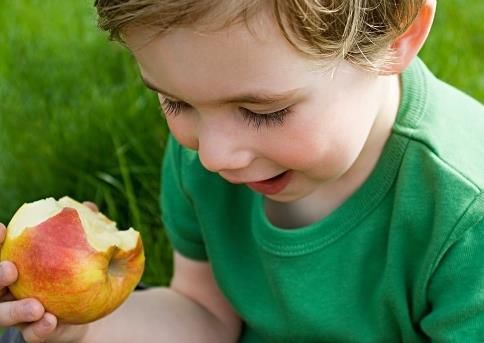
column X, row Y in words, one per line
column 401, row 260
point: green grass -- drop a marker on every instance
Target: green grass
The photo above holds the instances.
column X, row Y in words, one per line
column 76, row 120
column 454, row 48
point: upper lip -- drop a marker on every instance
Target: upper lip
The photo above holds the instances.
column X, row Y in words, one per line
column 259, row 180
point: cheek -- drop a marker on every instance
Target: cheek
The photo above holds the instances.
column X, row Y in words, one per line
column 319, row 141
column 184, row 131
column 182, row 128
column 295, row 146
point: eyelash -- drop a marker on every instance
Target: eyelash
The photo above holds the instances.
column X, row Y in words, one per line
column 252, row 118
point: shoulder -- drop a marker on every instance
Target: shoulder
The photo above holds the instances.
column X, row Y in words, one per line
column 446, row 127
column 440, row 183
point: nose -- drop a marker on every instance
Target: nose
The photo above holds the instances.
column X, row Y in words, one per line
column 221, row 149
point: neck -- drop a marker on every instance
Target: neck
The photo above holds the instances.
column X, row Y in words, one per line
column 380, row 132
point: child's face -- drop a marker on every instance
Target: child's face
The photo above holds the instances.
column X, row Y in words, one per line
column 317, row 128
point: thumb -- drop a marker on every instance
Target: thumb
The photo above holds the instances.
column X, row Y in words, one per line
column 91, row 205
column 3, row 232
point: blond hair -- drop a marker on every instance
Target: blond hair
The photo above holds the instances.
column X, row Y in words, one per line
column 359, row 31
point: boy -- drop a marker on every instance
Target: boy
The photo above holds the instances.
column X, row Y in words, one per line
column 319, row 184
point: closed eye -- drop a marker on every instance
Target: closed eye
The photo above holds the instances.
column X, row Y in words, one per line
column 173, row 107
column 254, row 119
column 271, row 119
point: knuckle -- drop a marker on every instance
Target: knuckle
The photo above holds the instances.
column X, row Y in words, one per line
column 15, row 313
column 24, row 311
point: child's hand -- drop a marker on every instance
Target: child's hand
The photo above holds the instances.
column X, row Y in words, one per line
column 91, row 205
column 29, row 315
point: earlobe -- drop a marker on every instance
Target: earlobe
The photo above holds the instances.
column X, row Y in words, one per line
column 408, row 45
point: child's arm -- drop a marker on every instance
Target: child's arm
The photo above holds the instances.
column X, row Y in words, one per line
column 191, row 310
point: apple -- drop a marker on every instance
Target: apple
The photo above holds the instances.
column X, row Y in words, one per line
column 74, row 260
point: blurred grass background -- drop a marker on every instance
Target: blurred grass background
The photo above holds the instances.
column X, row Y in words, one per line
column 76, row 120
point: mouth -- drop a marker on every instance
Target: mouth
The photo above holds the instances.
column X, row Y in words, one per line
column 273, row 185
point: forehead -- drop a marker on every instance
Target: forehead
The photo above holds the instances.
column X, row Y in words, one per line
column 203, row 64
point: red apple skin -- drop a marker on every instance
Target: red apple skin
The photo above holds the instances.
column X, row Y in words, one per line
column 72, row 280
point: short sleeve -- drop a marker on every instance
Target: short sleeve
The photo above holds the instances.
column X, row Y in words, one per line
column 177, row 210
column 456, row 291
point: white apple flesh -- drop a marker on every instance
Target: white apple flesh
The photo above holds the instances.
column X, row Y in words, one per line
column 74, row 260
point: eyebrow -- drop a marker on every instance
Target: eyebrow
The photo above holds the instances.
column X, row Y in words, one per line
column 252, row 98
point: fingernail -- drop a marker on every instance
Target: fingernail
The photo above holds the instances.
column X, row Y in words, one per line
column 46, row 322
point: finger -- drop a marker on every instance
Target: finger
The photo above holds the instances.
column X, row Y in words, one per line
column 68, row 333
column 20, row 311
column 8, row 275
column 91, row 205
column 40, row 330
column 3, row 232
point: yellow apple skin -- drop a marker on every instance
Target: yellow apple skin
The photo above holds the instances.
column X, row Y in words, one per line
column 72, row 280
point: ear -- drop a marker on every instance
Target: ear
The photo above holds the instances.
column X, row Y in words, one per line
column 408, row 45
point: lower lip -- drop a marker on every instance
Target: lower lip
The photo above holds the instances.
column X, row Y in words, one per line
column 273, row 185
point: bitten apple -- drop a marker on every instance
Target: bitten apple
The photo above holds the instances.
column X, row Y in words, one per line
column 72, row 259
